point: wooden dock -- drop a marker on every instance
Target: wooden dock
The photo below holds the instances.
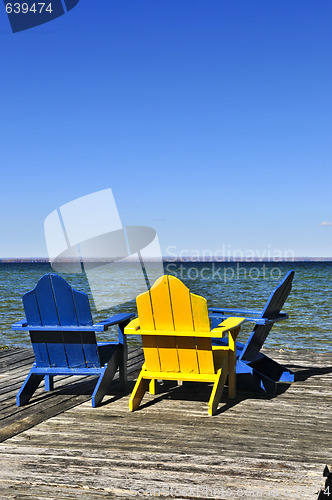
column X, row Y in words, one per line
column 257, row 446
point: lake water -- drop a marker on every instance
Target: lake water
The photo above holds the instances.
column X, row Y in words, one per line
column 243, row 285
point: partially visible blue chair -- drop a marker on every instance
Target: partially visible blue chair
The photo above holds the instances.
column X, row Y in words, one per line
column 256, row 370
column 64, row 341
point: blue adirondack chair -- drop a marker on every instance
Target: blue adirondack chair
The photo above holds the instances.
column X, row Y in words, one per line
column 255, row 370
column 64, row 341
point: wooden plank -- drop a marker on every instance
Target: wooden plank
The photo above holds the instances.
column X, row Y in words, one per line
column 46, row 303
column 205, row 355
column 187, row 354
column 34, row 416
column 161, row 305
column 168, row 354
column 63, row 297
column 39, row 345
column 172, row 446
column 158, row 474
column 200, row 313
column 68, row 392
column 54, row 346
column 74, row 349
column 64, row 385
column 151, row 353
column 181, row 305
column 31, row 305
column 89, row 343
column 145, row 312
column 12, row 353
column 82, row 307
column 15, row 364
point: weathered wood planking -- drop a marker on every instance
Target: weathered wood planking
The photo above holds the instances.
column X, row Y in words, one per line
column 276, row 446
column 69, row 391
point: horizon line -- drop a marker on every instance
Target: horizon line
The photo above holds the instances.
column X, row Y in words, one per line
column 46, row 260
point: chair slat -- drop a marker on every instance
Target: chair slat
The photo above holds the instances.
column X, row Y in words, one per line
column 31, row 309
column 74, row 349
column 82, row 306
column 144, row 309
column 200, row 313
column 168, row 354
column 151, row 353
column 161, row 305
column 40, row 349
column 64, row 301
column 205, row 355
column 187, row 354
column 181, row 305
column 46, row 303
column 55, row 349
column 90, row 349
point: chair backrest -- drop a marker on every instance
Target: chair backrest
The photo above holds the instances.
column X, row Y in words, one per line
column 169, row 306
column 278, row 297
column 271, row 311
column 54, row 303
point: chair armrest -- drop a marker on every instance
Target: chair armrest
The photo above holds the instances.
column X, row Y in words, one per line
column 261, row 321
column 243, row 312
column 20, row 325
column 102, row 326
column 132, row 327
column 227, row 326
column 98, row 327
column 258, row 321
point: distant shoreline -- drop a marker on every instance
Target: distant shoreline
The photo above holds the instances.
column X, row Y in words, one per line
column 43, row 260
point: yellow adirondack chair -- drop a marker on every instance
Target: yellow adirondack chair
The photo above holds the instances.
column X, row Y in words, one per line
column 176, row 336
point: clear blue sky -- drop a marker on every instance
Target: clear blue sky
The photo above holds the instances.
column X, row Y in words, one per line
column 210, row 120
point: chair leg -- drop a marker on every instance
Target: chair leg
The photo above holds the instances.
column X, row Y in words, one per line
column 105, row 379
column 153, row 387
column 140, row 389
column 218, row 388
column 231, row 375
column 123, row 365
column 49, row 383
column 232, row 363
column 28, row 388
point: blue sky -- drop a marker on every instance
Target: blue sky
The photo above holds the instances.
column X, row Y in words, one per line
column 210, row 120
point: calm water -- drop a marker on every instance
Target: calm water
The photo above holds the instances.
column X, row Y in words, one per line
column 245, row 285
